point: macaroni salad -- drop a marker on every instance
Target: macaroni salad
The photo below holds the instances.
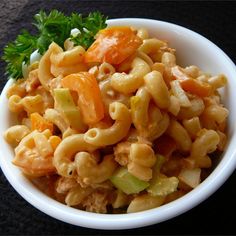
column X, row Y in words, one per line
column 119, row 127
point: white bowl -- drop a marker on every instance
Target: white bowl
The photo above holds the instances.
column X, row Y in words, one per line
column 192, row 48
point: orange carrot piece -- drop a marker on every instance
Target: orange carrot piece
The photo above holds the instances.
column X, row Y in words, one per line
column 113, row 45
column 90, row 100
column 54, row 141
column 40, row 123
column 196, row 87
column 191, row 85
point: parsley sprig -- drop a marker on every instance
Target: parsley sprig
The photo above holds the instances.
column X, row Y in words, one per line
column 17, row 52
column 56, row 27
column 88, row 27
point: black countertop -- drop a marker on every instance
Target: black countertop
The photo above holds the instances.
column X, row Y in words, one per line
column 214, row 20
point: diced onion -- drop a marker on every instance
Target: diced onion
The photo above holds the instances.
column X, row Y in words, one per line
column 74, row 32
column 191, row 177
column 35, row 56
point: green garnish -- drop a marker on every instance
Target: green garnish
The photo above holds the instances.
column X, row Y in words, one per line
column 88, row 26
column 127, row 182
column 17, row 52
column 56, row 27
column 52, row 27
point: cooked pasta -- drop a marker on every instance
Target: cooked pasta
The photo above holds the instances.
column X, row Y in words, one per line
column 117, row 128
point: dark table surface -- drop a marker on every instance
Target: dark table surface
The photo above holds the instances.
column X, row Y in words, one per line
column 214, row 20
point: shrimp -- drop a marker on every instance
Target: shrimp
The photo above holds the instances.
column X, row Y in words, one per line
column 30, row 159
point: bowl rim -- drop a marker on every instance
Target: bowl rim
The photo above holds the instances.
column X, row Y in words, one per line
column 132, row 220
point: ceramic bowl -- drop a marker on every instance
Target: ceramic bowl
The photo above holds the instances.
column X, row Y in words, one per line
column 192, row 49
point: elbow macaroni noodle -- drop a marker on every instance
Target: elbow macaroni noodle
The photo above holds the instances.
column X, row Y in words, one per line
column 103, row 137
column 128, row 83
column 148, row 116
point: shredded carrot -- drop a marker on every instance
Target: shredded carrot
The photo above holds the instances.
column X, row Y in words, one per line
column 90, row 100
column 54, row 141
column 197, row 87
column 40, row 123
column 113, row 45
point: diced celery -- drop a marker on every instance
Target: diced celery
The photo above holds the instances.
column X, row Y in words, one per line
column 157, row 168
column 121, row 199
column 160, row 161
column 66, row 104
column 160, row 185
column 163, row 186
column 128, row 183
column 64, row 99
column 144, row 202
